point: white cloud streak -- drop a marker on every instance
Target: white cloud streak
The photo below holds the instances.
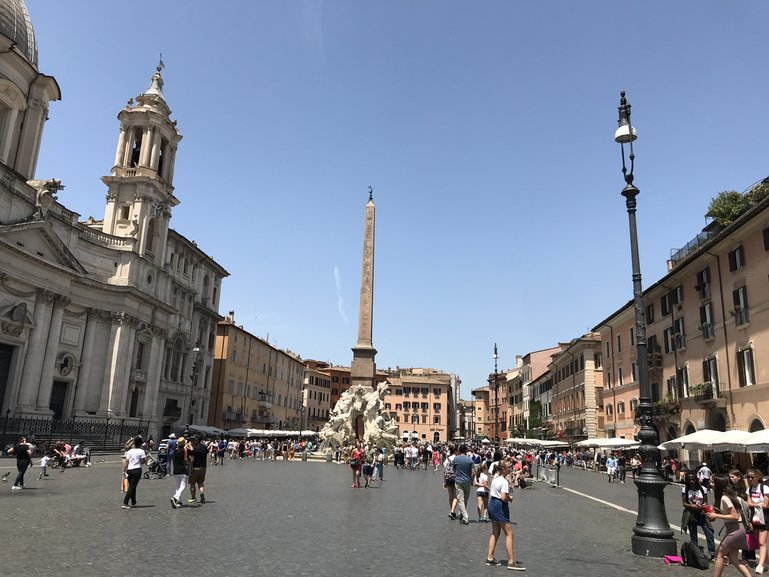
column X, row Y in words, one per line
column 339, row 299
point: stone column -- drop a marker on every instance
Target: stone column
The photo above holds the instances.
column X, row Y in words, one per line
column 128, row 148
column 113, row 368
column 86, row 362
column 33, row 360
column 123, row 368
column 153, row 375
column 120, row 153
column 155, row 155
column 51, row 351
column 144, row 155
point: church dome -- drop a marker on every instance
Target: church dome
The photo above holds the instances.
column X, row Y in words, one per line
column 16, row 25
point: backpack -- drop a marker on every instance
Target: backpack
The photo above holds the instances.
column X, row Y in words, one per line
column 694, row 556
column 745, row 515
column 449, row 475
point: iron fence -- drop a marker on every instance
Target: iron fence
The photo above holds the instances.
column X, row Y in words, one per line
column 104, row 434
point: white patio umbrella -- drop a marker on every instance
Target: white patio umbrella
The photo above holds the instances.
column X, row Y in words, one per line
column 733, row 440
column 589, row 443
column 758, row 442
column 693, row 441
column 547, row 443
column 617, row 443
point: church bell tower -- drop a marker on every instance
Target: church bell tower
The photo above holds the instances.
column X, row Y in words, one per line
column 140, row 186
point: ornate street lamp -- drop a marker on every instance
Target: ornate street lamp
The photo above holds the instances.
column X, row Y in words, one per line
column 652, row 535
column 496, row 398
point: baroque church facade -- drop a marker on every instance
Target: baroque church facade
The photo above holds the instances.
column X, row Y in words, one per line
column 113, row 318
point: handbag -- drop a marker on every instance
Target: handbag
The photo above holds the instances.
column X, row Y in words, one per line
column 758, row 517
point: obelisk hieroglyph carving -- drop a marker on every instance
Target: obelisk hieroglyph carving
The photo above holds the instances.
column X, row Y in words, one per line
column 363, row 366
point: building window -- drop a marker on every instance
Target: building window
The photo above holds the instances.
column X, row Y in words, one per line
column 667, row 337
column 665, row 305
column 682, row 376
column 650, row 313
column 608, row 379
column 437, row 420
column 619, row 377
column 632, row 337
column 633, row 405
column 609, row 409
column 633, row 372
column 407, row 406
column 679, row 336
column 620, row 407
column 234, row 355
column 619, row 343
column 703, row 282
column 706, row 321
column 398, row 407
column 437, row 407
column 737, row 258
column 437, row 392
column 671, row 387
column 740, row 299
column 678, row 295
column 745, row 367
column 424, row 419
column 608, row 349
column 406, row 391
column 710, row 373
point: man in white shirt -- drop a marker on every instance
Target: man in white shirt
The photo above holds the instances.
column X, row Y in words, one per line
column 704, row 475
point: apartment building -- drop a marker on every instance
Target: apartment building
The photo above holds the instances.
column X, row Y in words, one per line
column 255, row 385
column 708, row 330
column 316, row 400
column 577, row 389
column 421, row 401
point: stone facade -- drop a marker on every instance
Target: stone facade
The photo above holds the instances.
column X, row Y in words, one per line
column 100, row 318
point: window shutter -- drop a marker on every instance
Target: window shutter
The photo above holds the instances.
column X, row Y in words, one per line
column 733, row 261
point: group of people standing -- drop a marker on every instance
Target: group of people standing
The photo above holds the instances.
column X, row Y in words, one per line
column 366, row 462
column 742, row 503
column 462, row 474
column 186, row 462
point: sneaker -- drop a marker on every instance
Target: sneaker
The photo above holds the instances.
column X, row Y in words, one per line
column 465, row 522
column 202, row 499
column 492, row 562
column 191, row 501
column 515, row 566
column 16, row 488
column 174, row 504
column 126, row 506
column 452, row 516
column 759, row 568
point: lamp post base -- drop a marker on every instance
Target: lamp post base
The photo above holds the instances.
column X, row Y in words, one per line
column 653, row 547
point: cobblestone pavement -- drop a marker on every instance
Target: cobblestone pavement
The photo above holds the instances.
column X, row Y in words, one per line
column 292, row 518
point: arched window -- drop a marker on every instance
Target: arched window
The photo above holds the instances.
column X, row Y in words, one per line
column 12, row 105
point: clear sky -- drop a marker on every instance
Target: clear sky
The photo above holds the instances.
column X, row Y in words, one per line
column 485, row 129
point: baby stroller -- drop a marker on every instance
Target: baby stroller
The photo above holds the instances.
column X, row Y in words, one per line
column 156, row 468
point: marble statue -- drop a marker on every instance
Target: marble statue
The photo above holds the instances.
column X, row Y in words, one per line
column 359, row 400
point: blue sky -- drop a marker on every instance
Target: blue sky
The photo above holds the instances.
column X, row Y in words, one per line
column 485, row 129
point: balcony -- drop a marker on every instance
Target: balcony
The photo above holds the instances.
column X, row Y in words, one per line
column 666, row 408
column 265, row 401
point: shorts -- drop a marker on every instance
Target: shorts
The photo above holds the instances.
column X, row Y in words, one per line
column 499, row 511
column 368, row 470
column 198, row 476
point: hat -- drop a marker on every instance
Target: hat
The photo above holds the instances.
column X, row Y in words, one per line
column 704, row 464
column 182, row 441
column 172, row 436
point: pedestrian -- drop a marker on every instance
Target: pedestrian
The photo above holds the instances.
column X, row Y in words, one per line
column 196, row 459
column 369, row 457
column 695, row 500
column 23, row 453
column 500, row 495
column 179, row 470
column 43, row 467
column 436, row 458
column 621, row 468
column 635, row 465
column 379, row 465
column 449, row 483
column 728, row 492
column 611, row 467
column 482, row 493
column 703, row 474
column 356, row 464
column 463, row 470
column 759, row 503
column 171, row 447
column 133, row 460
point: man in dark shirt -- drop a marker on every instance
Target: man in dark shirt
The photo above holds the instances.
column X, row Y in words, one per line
column 197, row 457
column 463, row 468
column 23, row 454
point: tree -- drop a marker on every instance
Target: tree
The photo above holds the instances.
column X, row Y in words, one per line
column 727, row 206
column 758, row 192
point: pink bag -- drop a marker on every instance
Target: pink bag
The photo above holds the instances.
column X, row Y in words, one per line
column 673, row 560
column 752, row 539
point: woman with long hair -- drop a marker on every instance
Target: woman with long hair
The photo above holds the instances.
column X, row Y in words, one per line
column 482, row 492
column 695, row 499
column 356, row 464
column 759, row 499
column 728, row 492
column 501, row 493
column 449, row 483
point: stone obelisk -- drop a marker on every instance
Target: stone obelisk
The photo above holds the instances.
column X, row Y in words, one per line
column 363, row 367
